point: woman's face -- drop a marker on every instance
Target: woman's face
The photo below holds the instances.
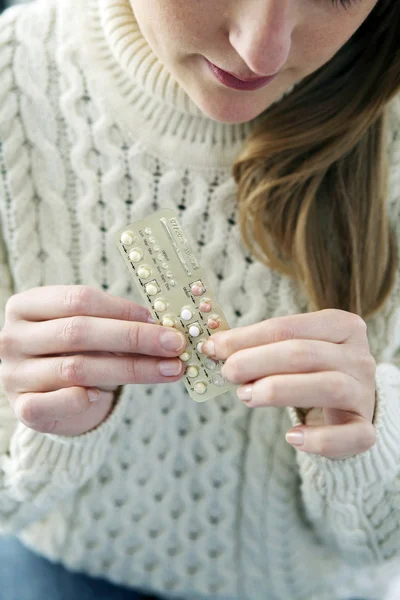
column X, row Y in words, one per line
column 248, row 38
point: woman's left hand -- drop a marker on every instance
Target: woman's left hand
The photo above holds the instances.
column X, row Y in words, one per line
column 320, row 361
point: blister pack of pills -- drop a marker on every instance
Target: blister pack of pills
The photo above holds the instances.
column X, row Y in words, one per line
column 177, row 291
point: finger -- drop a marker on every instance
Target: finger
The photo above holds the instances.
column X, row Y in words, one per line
column 334, row 441
column 57, row 301
column 330, row 325
column 53, row 373
column 44, row 408
column 330, row 389
column 82, row 333
column 290, row 356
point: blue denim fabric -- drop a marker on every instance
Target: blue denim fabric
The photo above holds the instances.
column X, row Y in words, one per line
column 25, row 575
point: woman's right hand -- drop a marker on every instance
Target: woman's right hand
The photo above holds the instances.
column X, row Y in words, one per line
column 60, row 341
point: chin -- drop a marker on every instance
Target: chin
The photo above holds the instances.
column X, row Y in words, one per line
column 230, row 112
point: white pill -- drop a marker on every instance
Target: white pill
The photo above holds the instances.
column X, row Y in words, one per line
column 210, row 364
column 186, row 314
column 160, row 305
column 157, row 248
column 200, row 346
column 200, row 387
column 185, row 356
column 148, row 231
column 152, row 240
column 164, row 265
column 151, row 289
column 135, row 255
column 127, row 238
column 194, row 330
column 218, row 380
column 169, row 274
column 172, row 282
column 144, row 272
column 192, row 371
column 168, row 321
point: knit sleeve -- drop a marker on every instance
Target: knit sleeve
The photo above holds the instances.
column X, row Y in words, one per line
column 354, row 503
column 37, row 471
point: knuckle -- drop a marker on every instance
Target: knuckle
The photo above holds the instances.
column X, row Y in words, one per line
column 78, row 298
column 301, row 355
column 133, row 337
column 283, row 330
column 72, row 369
column 6, row 341
column 74, row 331
column 368, row 365
column 358, row 323
column 6, row 377
column 130, row 368
column 10, row 305
column 338, row 388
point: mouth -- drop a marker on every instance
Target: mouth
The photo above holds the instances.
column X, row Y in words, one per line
column 232, row 81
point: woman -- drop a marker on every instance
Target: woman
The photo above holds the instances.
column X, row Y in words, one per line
column 275, row 119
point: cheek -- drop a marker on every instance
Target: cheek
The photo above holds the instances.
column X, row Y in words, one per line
column 316, row 45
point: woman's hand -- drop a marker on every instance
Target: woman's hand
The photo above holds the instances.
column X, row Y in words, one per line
column 320, row 361
column 60, row 341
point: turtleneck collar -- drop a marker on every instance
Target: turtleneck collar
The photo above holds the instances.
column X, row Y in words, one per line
column 145, row 97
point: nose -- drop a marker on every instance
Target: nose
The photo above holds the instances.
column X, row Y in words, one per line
column 261, row 34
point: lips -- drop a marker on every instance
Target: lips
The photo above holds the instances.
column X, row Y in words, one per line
column 235, row 82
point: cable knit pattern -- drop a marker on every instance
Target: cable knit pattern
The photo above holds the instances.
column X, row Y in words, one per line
column 184, row 500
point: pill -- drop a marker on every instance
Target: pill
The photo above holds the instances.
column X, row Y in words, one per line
column 197, row 288
column 164, row 265
column 172, row 282
column 199, row 346
column 151, row 289
column 169, row 274
column 135, row 255
column 186, row 314
column 218, row 380
column 214, row 322
column 127, row 238
column 160, row 305
column 210, row 364
column 152, row 240
column 200, row 387
column 185, row 356
column 157, row 248
column 144, row 272
column 168, row 322
column 192, row 371
column 148, row 231
column 205, row 306
column 194, row 330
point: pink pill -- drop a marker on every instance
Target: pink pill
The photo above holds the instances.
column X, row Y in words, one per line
column 205, row 306
column 214, row 322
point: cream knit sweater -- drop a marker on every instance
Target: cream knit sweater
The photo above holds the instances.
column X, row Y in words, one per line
column 185, row 500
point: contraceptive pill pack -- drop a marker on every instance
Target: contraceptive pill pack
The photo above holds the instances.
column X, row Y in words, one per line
column 178, row 293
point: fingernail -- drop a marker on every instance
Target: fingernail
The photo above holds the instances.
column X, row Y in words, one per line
column 94, row 394
column 245, row 393
column 151, row 320
column 296, row 438
column 169, row 368
column 172, row 341
column 208, row 348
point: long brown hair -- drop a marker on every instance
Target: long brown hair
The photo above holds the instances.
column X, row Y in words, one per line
column 312, row 178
